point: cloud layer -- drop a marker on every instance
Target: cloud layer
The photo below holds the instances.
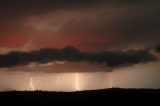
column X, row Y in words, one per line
column 117, row 23
column 71, row 54
column 158, row 48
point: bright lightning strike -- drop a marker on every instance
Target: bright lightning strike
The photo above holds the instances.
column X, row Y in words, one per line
column 58, row 79
column 31, row 84
column 110, row 81
column 77, row 82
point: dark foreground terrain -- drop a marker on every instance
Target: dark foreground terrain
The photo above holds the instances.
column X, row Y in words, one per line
column 101, row 96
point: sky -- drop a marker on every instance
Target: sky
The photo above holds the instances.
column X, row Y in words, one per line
column 82, row 44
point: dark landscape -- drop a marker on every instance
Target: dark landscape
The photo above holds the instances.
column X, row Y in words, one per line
column 102, row 96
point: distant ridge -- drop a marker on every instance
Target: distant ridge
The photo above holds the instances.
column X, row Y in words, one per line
column 104, row 92
column 102, row 97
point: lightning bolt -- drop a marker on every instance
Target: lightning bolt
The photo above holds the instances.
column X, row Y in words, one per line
column 58, row 79
column 77, row 82
column 31, row 84
column 110, row 81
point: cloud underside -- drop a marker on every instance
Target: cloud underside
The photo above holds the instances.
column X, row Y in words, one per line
column 158, row 48
column 71, row 54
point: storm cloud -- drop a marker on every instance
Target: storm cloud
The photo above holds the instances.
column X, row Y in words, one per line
column 158, row 48
column 119, row 22
column 109, row 44
column 71, row 54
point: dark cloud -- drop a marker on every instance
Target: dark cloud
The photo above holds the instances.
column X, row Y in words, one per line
column 135, row 21
column 13, row 9
column 71, row 54
column 44, row 4
column 19, row 8
column 158, row 48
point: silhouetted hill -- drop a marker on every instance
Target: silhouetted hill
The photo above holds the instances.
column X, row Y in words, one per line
column 102, row 96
